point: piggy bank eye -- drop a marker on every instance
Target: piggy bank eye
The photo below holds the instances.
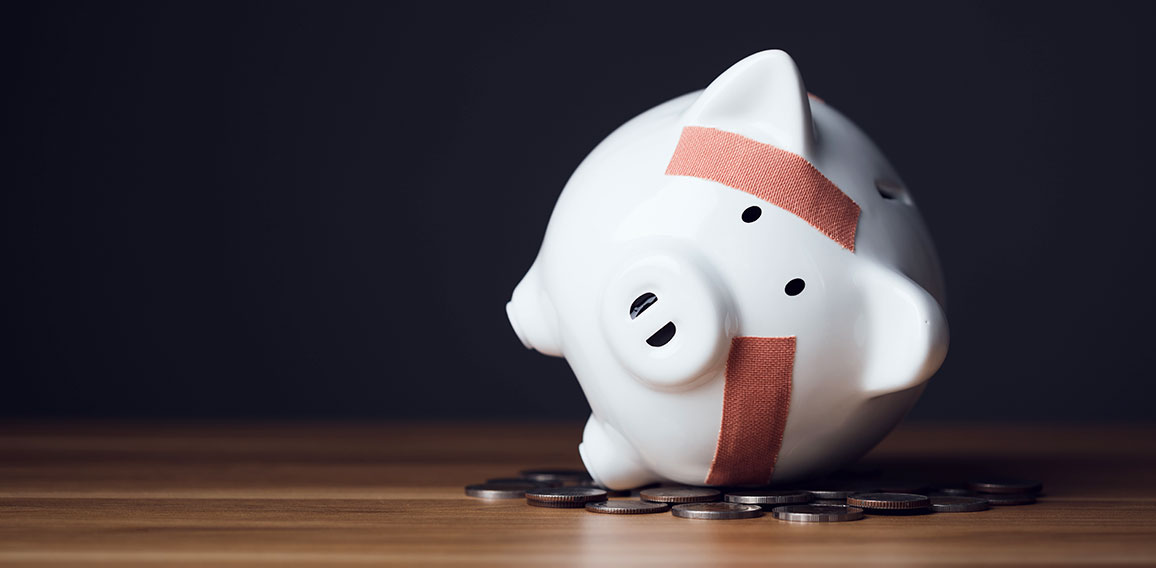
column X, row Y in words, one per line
column 795, row 287
column 752, row 214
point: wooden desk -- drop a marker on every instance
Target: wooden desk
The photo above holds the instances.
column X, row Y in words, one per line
column 116, row 494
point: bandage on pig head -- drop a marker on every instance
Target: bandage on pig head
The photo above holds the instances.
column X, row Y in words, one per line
column 756, row 400
column 763, row 96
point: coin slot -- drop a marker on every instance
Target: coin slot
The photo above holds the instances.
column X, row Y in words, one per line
column 662, row 336
column 890, row 189
column 641, row 304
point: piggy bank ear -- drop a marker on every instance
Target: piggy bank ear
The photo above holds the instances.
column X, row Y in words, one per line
column 906, row 332
column 761, row 97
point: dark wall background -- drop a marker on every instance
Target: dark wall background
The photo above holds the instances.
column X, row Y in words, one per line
column 311, row 210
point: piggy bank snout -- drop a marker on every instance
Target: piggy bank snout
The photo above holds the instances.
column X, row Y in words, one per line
column 666, row 317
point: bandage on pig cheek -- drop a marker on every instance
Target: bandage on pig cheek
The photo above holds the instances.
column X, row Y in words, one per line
column 756, row 400
column 781, row 178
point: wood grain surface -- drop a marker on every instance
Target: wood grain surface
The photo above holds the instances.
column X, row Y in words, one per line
column 325, row 494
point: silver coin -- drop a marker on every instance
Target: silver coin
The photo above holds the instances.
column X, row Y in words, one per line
column 716, row 511
column 499, row 490
column 954, row 490
column 1005, row 486
column 769, row 497
column 889, row 501
column 627, row 507
column 958, row 504
column 817, row 513
column 521, row 481
column 679, row 494
column 564, row 497
column 560, row 475
column 609, row 492
column 1007, row 499
column 838, row 490
column 829, row 502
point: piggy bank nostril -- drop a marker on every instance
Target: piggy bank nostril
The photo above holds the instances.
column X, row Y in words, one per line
column 641, row 303
column 662, row 336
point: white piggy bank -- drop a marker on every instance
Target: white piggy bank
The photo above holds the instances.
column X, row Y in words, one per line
column 742, row 285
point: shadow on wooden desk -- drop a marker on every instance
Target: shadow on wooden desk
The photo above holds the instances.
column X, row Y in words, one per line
column 195, row 494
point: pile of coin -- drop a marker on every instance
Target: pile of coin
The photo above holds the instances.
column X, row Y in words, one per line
column 823, row 501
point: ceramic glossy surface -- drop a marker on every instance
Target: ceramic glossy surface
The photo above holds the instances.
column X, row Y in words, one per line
column 869, row 324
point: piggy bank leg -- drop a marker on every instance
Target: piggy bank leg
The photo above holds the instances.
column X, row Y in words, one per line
column 610, row 459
